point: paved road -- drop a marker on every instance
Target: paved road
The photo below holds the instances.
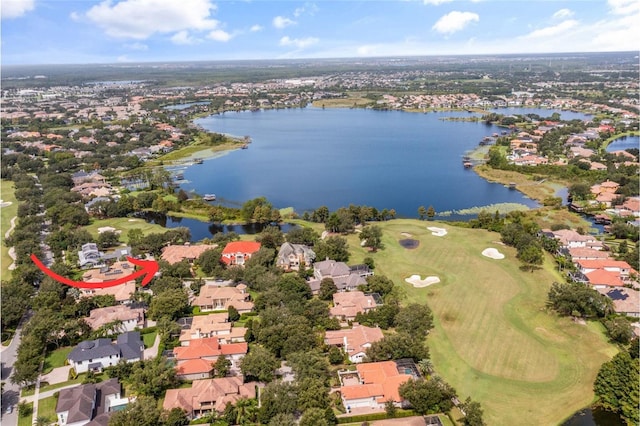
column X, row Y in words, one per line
column 11, row 394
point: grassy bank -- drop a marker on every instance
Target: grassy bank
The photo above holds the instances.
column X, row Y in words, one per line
column 195, row 151
column 6, row 214
column 493, row 338
column 124, row 224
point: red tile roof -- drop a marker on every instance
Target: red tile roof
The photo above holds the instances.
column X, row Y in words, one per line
column 241, row 247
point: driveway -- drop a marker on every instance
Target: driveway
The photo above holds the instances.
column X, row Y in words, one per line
column 57, row 375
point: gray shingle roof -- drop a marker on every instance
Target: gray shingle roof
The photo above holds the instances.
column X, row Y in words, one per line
column 93, row 349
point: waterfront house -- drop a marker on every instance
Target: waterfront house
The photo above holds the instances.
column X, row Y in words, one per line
column 238, row 252
column 176, row 253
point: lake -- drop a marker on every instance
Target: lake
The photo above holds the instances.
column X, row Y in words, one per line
column 626, row 142
column 310, row 157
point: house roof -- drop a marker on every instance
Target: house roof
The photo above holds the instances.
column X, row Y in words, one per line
column 204, row 393
column 604, row 263
column 247, row 247
column 130, row 344
column 331, row 268
column 233, row 296
column 603, row 277
column 177, row 253
column 78, row 402
column 101, row 316
column 208, row 347
column 625, row 300
column 356, row 338
column 381, row 380
column 588, row 253
column 194, row 366
column 348, row 304
column 92, row 349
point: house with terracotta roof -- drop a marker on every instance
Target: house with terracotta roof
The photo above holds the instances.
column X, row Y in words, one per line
column 177, row 253
column 195, row 361
column 212, row 325
column 90, row 404
column 214, row 298
column 371, row 386
column 209, row 395
column 626, row 301
column 353, row 341
column 585, row 253
column 603, row 273
column 238, row 252
column 348, row 304
column 128, row 318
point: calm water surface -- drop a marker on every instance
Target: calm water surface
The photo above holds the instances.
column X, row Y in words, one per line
column 626, row 142
column 307, row 158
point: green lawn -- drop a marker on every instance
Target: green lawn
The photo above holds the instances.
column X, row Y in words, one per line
column 493, row 338
column 149, row 338
column 47, row 408
column 124, row 224
column 55, row 359
column 6, row 214
column 25, row 420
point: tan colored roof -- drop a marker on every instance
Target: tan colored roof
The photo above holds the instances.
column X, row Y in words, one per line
column 209, row 394
column 356, row 338
column 101, row 316
column 348, row 304
column 121, row 292
column 177, row 253
column 625, row 300
column 228, row 296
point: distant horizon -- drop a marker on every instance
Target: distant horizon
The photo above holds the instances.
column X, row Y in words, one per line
column 66, row 32
column 539, row 55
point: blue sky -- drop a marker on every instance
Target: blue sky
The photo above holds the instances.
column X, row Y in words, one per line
column 85, row 31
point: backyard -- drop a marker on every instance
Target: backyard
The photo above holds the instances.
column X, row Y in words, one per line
column 494, row 340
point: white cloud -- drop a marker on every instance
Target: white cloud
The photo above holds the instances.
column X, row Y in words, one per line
column 563, row 14
column 308, row 8
column 624, row 7
column 16, row 8
column 183, row 37
column 554, row 30
column 75, row 16
column 219, row 35
column 455, row 21
column 136, row 46
column 123, row 58
column 299, row 43
column 256, row 28
column 139, row 19
column 282, row 22
column 436, row 2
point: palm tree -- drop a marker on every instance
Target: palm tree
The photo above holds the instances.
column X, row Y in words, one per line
column 425, row 366
column 42, row 421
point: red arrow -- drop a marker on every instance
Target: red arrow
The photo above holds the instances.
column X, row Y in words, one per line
column 149, row 268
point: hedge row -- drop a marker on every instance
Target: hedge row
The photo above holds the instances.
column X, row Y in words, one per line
column 376, row 416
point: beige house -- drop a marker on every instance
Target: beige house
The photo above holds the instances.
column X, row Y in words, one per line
column 128, row 317
column 353, row 341
column 214, row 298
column 212, row 325
column 348, row 304
column 209, row 395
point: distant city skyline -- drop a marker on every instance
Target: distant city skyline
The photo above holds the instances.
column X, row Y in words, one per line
column 109, row 31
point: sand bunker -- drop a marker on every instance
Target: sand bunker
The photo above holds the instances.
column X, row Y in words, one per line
column 438, row 232
column 406, row 234
column 5, row 203
column 415, row 281
column 108, row 229
column 492, row 253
